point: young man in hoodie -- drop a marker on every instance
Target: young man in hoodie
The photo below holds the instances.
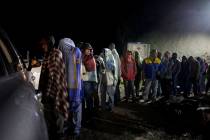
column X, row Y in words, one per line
column 166, row 74
column 176, row 67
column 129, row 70
column 201, row 83
column 193, row 75
column 183, row 79
column 118, row 72
column 109, row 80
column 72, row 58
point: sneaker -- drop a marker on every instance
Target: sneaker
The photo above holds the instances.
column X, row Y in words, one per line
column 160, row 97
column 141, row 101
column 191, row 95
column 149, row 102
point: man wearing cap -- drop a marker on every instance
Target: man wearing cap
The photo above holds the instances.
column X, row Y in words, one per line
column 90, row 79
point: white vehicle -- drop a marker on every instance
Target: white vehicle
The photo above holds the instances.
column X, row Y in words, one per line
column 34, row 75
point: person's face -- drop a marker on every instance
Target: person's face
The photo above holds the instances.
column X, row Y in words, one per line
column 154, row 55
column 159, row 55
column 190, row 59
column 44, row 47
column 168, row 55
column 87, row 51
column 129, row 56
column 184, row 59
column 174, row 56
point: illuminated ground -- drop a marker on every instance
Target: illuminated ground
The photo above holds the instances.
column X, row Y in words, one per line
column 135, row 121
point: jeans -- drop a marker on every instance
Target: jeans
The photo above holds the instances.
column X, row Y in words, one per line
column 150, row 85
column 129, row 88
column 75, row 112
column 76, row 116
column 91, row 95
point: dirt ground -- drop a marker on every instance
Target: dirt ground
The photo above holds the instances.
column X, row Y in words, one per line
column 135, row 121
column 161, row 120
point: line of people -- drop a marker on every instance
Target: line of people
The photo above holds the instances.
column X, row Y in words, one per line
column 168, row 76
column 74, row 80
column 75, row 83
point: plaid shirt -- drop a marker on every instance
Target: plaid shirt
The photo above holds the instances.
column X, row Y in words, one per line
column 55, row 82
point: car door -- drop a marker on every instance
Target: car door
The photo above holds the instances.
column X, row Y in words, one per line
column 21, row 117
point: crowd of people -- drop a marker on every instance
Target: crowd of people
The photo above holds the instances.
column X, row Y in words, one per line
column 173, row 76
column 75, row 82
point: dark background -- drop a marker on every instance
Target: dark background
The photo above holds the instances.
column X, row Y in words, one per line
column 99, row 22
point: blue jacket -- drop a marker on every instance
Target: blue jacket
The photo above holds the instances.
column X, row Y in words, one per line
column 150, row 68
column 165, row 69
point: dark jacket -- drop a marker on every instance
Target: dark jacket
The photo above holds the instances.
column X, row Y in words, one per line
column 176, row 68
column 184, row 70
column 194, row 70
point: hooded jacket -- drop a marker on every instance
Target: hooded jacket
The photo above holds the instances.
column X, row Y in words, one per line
column 128, row 69
column 151, row 67
column 118, row 62
column 72, row 60
column 110, row 76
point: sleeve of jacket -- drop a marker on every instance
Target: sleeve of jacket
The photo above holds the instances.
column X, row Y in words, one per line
column 178, row 69
column 114, row 68
column 198, row 71
column 135, row 68
column 119, row 67
column 143, row 69
column 208, row 72
column 123, row 68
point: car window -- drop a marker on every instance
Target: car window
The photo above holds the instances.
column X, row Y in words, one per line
column 10, row 55
column 2, row 67
column 6, row 57
column 5, row 51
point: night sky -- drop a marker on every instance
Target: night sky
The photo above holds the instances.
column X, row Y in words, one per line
column 96, row 22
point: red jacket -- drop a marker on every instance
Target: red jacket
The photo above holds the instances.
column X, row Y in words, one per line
column 128, row 69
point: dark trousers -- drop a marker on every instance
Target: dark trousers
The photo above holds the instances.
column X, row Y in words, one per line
column 117, row 93
column 51, row 119
column 166, row 85
column 91, row 95
column 184, row 85
column 207, row 85
column 174, row 85
column 137, row 84
column 194, row 83
column 129, row 88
